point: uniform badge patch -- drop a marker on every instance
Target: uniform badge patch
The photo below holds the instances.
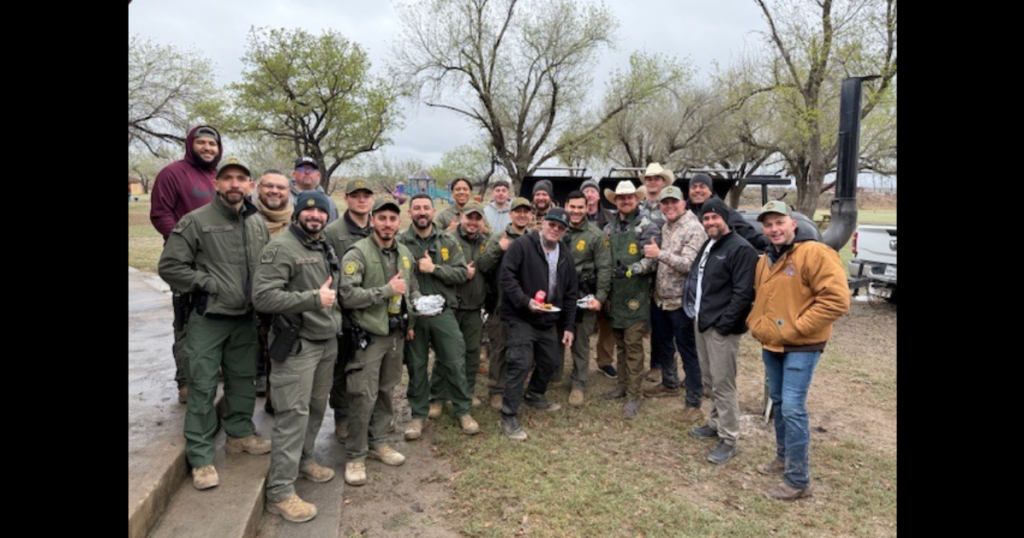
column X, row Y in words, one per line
column 483, row 247
column 406, row 263
column 632, row 249
column 444, row 254
column 268, row 254
column 581, row 246
column 633, row 304
column 350, row 268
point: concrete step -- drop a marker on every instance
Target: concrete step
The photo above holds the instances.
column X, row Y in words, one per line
column 230, row 510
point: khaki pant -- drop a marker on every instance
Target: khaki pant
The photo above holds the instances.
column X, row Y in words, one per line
column 372, row 376
column 581, row 350
column 630, row 346
column 605, row 341
column 299, row 387
column 717, row 355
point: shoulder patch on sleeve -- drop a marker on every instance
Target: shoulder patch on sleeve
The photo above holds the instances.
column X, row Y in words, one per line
column 350, row 268
column 269, row 253
column 181, row 225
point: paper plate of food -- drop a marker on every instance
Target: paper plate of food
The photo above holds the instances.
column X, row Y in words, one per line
column 548, row 307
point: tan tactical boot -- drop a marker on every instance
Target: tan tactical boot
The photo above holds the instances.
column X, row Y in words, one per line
column 692, row 414
column 314, row 472
column 386, row 455
column 575, row 397
column 414, row 430
column 355, row 473
column 252, row 444
column 496, row 401
column 785, row 492
column 469, row 426
column 205, row 477
column 341, row 431
column 776, row 466
column 293, row 509
column 476, row 402
column 436, row 408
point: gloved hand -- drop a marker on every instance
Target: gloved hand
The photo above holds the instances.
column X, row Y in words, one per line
column 622, row 270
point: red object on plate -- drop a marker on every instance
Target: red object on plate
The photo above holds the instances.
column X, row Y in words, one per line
column 540, row 296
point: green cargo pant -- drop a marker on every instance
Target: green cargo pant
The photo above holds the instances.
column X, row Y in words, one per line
column 471, row 327
column 497, row 369
column 581, row 350
column 605, row 341
column 630, row 357
column 229, row 345
column 339, row 390
column 441, row 331
column 370, row 382
column 299, row 387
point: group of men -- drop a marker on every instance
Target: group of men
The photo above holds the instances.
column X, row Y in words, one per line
column 270, row 279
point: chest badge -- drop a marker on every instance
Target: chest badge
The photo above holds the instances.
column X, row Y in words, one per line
column 581, row 246
column 632, row 249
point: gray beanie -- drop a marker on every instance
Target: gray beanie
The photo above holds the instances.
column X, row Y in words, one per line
column 702, row 178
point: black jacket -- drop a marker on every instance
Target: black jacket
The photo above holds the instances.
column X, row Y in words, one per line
column 727, row 287
column 524, row 270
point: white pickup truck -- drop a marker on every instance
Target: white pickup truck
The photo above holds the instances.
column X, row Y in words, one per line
column 874, row 263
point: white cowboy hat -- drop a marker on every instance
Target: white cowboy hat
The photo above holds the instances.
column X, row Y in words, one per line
column 624, row 187
column 655, row 169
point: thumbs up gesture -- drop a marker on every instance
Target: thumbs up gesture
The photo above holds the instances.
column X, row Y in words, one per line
column 327, row 294
column 652, row 250
column 471, row 272
column 397, row 283
column 426, row 264
column 504, row 242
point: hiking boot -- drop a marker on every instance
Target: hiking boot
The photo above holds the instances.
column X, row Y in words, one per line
column 692, row 414
column 542, row 404
column 609, row 371
column 341, row 431
column 314, row 472
column 205, row 477
column 512, row 429
column 436, row 408
column 615, row 394
column 661, row 391
column 496, row 401
column 776, row 466
column 253, row 444
column 386, row 455
column 576, row 397
column 630, row 409
column 469, row 426
column 476, row 402
column 414, row 430
column 653, row 375
column 704, row 432
column 293, row 509
column 785, row 492
column 722, row 453
column 355, row 473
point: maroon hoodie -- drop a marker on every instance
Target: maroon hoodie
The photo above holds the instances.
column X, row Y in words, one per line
column 183, row 186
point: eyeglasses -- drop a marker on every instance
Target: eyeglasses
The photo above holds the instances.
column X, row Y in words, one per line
column 306, row 169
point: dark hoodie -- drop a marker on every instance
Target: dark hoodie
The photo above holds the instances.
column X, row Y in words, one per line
column 183, row 186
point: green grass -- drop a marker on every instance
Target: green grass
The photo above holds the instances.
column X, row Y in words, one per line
column 144, row 242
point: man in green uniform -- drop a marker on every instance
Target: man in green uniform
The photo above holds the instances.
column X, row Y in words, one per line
column 297, row 281
column 594, row 275
column 353, row 225
column 212, row 253
column 450, row 219
column 378, row 296
column 439, row 267
column 630, row 296
column 489, row 264
column 471, row 300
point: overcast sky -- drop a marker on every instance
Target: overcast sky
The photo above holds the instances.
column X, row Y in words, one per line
column 704, row 31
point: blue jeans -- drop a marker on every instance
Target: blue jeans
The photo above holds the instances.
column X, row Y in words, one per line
column 789, row 378
column 668, row 326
